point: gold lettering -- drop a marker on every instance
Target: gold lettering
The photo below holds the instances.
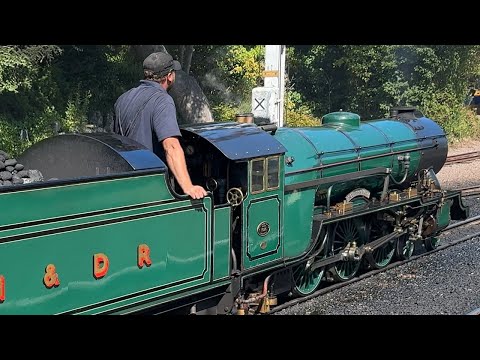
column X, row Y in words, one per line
column 143, row 256
column 50, row 279
column 100, row 265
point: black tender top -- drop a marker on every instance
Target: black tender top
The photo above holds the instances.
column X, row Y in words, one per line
column 83, row 155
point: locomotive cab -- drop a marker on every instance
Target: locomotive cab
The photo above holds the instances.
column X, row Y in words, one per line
column 241, row 164
column 220, row 157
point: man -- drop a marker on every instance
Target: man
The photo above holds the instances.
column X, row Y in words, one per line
column 147, row 115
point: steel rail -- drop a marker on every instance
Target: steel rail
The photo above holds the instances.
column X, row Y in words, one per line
column 470, row 156
column 461, row 223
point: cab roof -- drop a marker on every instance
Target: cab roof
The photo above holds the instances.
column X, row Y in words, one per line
column 237, row 141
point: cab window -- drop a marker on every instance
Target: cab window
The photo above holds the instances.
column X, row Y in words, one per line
column 273, row 173
column 257, row 175
column 265, row 174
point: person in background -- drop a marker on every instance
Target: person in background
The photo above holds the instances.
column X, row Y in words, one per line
column 147, row 114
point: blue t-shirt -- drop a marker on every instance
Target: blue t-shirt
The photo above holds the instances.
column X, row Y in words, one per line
column 147, row 115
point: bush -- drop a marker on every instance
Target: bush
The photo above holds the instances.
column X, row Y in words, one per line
column 224, row 112
column 297, row 112
column 75, row 118
column 459, row 122
column 298, row 119
column 18, row 136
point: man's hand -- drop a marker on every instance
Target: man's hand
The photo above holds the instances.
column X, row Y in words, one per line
column 196, row 192
column 176, row 163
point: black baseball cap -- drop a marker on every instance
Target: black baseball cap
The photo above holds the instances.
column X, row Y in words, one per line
column 160, row 63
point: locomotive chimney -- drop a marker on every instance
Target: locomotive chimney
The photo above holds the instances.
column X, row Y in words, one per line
column 405, row 113
column 244, row 118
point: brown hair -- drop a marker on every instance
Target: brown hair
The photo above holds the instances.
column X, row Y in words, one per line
column 150, row 75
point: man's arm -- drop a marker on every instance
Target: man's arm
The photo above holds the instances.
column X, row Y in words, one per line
column 178, row 166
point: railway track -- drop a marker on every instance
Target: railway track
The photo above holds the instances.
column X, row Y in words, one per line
column 371, row 273
column 470, row 190
column 462, row 158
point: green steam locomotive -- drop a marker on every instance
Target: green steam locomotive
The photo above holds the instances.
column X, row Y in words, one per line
column 107, row 230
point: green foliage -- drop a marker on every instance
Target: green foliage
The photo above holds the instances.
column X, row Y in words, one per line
column 36, row 92
column 44, row 85
column 18, row 136
column 297, row 113
column 224, row 112
column 234, row 70
column 458, row 121
column 370, row 79
column 104, row 71
column 42, row 126
column 75, row 118
column 298, row 119
column 10, row 139
column 19, row 65
column 243, row 66
column 27, row 94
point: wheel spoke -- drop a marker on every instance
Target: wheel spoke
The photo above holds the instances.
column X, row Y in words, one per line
column 305, row 280
column 383, row 255
column 346, row 233
column 431, row 243
column 404, row 248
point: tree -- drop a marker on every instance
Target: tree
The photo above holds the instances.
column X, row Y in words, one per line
column 20, row 63
column 191, row 103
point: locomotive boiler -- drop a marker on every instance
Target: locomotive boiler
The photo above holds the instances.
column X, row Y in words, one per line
column 108, row 231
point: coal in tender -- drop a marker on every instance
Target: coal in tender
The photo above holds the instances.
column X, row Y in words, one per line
column 34, row 176
column 13, row 173
column 23, row 173
column 11, row 162
column 5, row 175
column 4, row 154
column 17, row 180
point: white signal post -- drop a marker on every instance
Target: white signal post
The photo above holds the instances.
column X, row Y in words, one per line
column 268, row 100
